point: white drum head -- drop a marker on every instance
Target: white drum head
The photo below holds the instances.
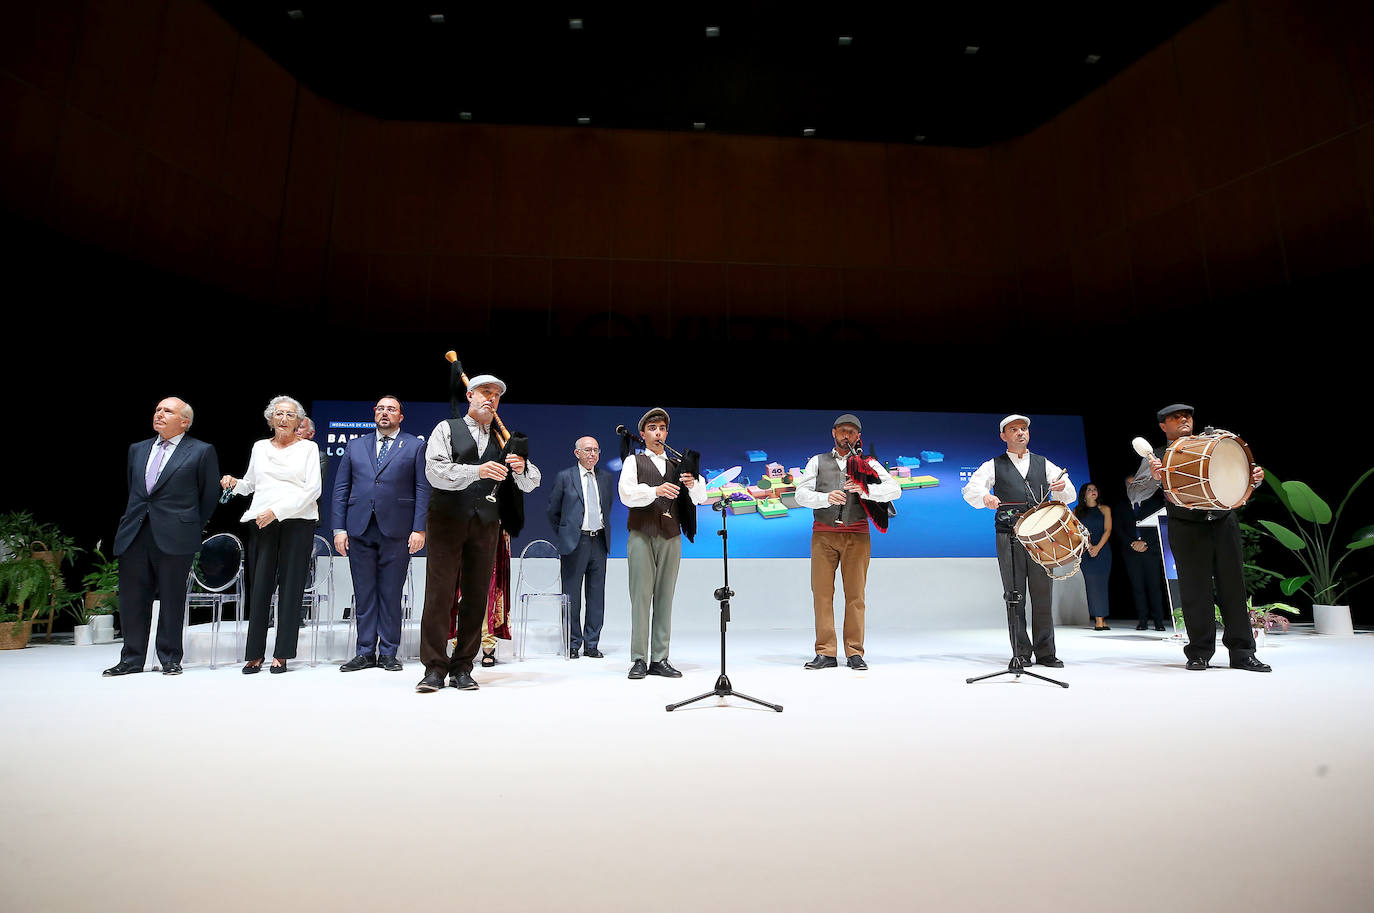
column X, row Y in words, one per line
column 1229, row 472
column 1041, row 519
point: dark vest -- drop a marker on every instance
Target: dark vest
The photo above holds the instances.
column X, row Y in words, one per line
column 510, row 501
column 650, row 520
column 1009, row 486
column 830, row 477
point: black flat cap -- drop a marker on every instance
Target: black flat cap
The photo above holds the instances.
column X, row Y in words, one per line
column 1167, row 411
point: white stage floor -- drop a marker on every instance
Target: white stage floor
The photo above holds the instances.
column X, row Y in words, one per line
column 562, row 786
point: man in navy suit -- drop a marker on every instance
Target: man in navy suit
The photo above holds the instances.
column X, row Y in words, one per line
column 581, row 532
column 173, row 490
column 381, row 496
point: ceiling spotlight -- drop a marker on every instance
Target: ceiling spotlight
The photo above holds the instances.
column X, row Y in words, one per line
column 846, row 40
column 436, row 18
column 920, row 137
column 465, row 115
column 698, row 125
column 296, row 14
column 712, row 31
column 584, row 121
column 575, row 24
column 1092, row 58
column 971, row 49
column 809, row 131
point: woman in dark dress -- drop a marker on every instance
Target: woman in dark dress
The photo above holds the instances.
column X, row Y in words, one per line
column 1097, row 558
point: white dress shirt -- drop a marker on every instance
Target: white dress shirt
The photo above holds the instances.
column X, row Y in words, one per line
column 285, row 480
column 982, row 481
column 443, row 473
column 633, row 493
column 889, row 489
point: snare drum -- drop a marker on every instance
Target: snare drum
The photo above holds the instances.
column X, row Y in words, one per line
column 1208, row 471
column 1053, row 538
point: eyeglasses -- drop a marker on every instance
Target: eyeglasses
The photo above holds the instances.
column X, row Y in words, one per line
column 283, row 415
column 589, row 449
column 385, row 409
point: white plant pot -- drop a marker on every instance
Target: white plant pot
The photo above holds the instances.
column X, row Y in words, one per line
column 1259, row 637
column 102, row 629
column 81, row 636
column 1332, row 619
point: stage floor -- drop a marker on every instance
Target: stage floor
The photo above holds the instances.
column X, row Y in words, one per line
column 560, row 785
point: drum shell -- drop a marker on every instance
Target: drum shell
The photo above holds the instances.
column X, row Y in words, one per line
column 1199, row 468
column 1058, row 543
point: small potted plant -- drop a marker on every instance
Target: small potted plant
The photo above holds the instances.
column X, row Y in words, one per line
column 101, row 596
column 27, row 589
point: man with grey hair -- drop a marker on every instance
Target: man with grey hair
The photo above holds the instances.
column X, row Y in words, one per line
column 579, row 512
column 840, row 537
column 172, row 478
column 1009, row 485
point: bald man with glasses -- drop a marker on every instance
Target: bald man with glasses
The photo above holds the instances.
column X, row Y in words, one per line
column 579, row 508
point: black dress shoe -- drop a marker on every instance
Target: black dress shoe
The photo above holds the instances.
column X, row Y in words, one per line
column 821, row 662
column 572, row 653
column 252, row 668
column 1159, row 627
column 389, row 663
column 359, row 662
column 1196, row 665
column 172, row 668
column 1250, row 664
column 462, row 681
column 278, row 670
column 1053, row 662
column 664, row 668
column 638, row 669
column 593, row 653
column 857, row 662
column 488, row 658
column 122, row 668
column 1141, row 627
column 433, row 681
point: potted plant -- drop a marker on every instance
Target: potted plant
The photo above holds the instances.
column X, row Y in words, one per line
column 101, row 596
column 1264, row 619
column 80, row 612
column 1312, row 540
column 27, row 588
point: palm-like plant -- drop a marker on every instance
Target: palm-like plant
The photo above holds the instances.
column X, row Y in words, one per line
column 1312, row 540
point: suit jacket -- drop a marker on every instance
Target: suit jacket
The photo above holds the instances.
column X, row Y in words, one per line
column 181, row 502
column 566, row 507
column 397, row 492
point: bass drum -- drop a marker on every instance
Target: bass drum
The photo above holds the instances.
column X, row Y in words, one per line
column 1053, row 538
column 1208, row 471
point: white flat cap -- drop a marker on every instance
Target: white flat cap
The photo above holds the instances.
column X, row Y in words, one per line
column 1002, row 426
column 481, row 379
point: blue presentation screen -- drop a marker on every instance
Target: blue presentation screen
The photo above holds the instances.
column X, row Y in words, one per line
column 938, row 450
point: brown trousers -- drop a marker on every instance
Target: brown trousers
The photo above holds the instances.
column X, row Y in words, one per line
column 849, row 552
column 462, row 552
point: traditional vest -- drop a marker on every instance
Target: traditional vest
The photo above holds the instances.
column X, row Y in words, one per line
column 830, row 477
column 509, row 505
column 1009, row 486
column 650, row 520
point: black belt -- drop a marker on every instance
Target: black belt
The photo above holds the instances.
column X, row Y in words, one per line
column 592, row 532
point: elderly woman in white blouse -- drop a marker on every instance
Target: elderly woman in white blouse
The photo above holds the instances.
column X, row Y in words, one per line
column 284, row 479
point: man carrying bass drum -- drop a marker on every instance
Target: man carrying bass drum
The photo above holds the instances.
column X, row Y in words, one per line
column 1206, row 546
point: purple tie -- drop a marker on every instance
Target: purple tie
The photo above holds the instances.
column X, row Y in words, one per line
column 155, row 466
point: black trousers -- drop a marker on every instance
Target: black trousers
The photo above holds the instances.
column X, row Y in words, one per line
column 462, row 553
column 145, row 574
column 586, row 562
column 1147, row 578
column 278, row 559
column 1208, row 553
column 1023, row 575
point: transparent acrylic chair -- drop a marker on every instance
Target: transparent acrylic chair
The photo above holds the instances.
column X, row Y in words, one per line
column 318, row 599
column 216, row 578
column 540, row 577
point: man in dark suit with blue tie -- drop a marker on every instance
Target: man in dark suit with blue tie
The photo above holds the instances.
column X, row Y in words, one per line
column 381, row 497
column 173, row 489
column 579, row 511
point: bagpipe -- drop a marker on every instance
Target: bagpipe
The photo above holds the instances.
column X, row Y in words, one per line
column 679, row 462
column 516, row 442
column 857, row 470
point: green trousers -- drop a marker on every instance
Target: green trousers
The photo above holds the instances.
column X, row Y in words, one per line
column 652, row 563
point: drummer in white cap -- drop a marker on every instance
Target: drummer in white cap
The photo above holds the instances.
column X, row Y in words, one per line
column 1009, row 485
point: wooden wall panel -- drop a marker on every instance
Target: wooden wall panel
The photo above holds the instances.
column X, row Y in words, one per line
column 1148, row 146
column 1035, row 206
column 753, row 190
column 1241, row 234
column 815, row 299
column 398, row 283
column 355, row 190
column 580, row 297
column 1086, row 177
column 116, row 62
column 1103, row 294
column 1323, row 210
column 93, row 181
column 253, row 158
column 520, row 292
column 640, row 196
column 459, row 297
column 37, row 41
column 29, row 120
column 463, row 192
column 862, row 217
column 917, row 208
column 523, row 169
column 307, row 205
column 1168, row 263
column 641, row 298
column 580, row 216
column 406, row 163
column 697, row 207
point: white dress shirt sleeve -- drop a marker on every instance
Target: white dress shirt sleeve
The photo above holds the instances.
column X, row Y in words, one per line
column 632, row 493
column 440, row 469
column 980, row 484
column 806, row 494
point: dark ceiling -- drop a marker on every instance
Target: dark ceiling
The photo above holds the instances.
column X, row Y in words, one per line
column 775, row 69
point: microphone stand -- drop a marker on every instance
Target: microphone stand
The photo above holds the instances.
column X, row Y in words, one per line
column 723, row 687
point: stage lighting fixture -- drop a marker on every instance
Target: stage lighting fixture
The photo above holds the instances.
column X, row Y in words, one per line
column 1091, row 58
column 575, row 24
column 584, row 121
column 846, row 40
column 296, row 14
column 436, row 18
column 712, row 31
column 971, row 49
column 698, row 125
column 809, row 131
column 465, row 115
column 920, row 137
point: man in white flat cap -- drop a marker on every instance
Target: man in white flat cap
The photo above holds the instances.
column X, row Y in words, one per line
column 840, row 539
column 1009, row 485
column 463, row 462
column 661, row 510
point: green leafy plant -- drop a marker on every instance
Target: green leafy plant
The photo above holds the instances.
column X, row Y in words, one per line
column 101, row 585
column 1312, row 541
column 1266, row 617
column 27, row 587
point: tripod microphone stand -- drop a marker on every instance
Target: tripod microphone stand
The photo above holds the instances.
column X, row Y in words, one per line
column 722, row 595
column 1015, row 667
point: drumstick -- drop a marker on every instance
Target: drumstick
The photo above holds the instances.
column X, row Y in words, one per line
column 1142, row 447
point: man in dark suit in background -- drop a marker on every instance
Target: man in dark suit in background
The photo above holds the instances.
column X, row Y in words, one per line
column 581, row 531
column 173, row 490
column 381, row 497
column 1140, row 546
